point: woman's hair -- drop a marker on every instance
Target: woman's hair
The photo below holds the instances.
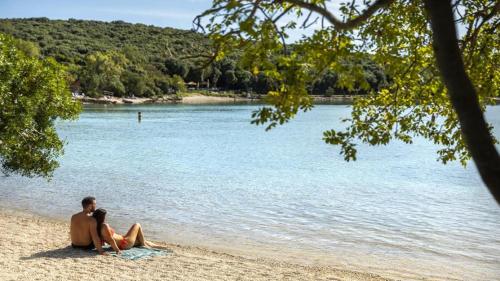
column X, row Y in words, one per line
column 99, row 215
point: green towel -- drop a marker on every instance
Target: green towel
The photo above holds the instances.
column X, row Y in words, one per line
column 137, row 253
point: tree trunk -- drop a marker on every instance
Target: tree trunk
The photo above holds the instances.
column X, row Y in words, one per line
column 462, row 94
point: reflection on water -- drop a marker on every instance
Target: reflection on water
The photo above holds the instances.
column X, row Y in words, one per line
column 203, row 175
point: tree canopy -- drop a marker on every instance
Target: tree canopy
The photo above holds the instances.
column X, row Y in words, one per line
column 415, row 42
column 124, row 59
column 34, row 93
column 109, row 58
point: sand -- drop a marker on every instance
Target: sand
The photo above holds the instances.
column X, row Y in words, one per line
column 36, row 248
column 203, row 99
column 189, row 99
column 196, row 98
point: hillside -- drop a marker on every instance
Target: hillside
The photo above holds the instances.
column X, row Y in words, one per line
column 69, row 41
column 123, row 59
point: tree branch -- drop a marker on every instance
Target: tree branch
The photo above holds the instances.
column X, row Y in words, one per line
column 350, row 24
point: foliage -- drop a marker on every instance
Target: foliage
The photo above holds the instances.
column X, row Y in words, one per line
column 153, row 54
column 33, row 94
column 409, row 100
column 116, row 58
column 102, row 72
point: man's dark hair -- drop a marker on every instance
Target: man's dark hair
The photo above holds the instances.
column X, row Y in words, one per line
column 87, row 201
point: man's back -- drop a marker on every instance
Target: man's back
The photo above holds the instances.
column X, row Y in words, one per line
column 80, row 229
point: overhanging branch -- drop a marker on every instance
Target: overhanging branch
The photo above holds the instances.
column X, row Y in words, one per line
column 352, row 23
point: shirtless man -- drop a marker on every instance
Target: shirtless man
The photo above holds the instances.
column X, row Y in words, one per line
column 84, row 228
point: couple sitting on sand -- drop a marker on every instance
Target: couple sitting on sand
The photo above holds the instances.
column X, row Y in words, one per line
column 89, row 230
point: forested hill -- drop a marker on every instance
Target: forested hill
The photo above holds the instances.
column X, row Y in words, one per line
column 69, row 41
column 124, row 59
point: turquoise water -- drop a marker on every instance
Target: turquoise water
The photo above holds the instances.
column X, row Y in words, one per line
column 202, row 175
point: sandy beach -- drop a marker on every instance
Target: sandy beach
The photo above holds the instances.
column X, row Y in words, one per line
column 203, row 99
column 188, row 99
column 37, row 248
column 197, row 98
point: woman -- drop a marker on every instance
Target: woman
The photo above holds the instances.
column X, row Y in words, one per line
column 134, row 237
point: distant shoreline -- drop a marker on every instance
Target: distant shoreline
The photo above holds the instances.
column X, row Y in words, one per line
column 211, row 99
column 197, row 99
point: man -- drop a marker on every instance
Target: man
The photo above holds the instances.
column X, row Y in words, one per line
column 83, row 228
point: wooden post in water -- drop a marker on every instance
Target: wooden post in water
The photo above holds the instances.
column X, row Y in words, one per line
column 139, row 116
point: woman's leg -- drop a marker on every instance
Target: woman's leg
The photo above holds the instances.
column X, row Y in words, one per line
column 135, row 236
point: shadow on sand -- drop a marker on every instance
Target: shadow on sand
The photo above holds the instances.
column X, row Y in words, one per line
column 62, row 253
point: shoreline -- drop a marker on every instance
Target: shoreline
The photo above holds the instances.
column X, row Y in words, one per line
column 199, row 99
column 36, row 248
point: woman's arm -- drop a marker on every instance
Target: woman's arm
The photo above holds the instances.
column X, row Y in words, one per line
column 109, row 239
column 95, row 237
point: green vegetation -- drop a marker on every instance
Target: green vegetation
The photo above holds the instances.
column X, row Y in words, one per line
column 33, row 94
column 115, row 58
column 440, row 84
column 123, row 59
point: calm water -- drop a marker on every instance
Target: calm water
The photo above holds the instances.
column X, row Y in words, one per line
column 202, row 175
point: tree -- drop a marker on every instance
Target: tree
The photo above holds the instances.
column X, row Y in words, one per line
column 134, row 84
column 176, row 67
column 244, row 79
column 263, row 84
column 102, row 72
column 28, row 48
column 215, row 74
column 229, row 79
column 327, row 81
column 430, row 93
column 177, row 84
column 33, row 94
column 196, row 74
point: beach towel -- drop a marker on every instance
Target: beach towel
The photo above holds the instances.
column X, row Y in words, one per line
column 138, row 253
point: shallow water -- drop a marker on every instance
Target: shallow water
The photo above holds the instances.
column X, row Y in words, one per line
column 202, row 175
